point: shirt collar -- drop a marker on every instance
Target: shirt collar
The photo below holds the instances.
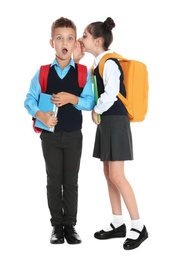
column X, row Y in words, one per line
column 55, row 63
column 98, row 58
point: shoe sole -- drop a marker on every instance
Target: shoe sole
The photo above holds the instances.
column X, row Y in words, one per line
column 73, row 243
column 56, row 243
column 112, row 236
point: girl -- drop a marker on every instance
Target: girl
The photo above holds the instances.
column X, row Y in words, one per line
column 113, row 141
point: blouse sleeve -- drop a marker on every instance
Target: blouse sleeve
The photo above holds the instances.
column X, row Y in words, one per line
column 111, row 80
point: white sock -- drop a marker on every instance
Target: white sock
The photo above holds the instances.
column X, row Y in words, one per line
column 137, row 224
column 117, row 221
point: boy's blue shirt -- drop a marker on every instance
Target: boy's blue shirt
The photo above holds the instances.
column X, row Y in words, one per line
column 86, row 100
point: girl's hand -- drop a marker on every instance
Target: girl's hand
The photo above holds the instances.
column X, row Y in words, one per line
column 78, row 53
column 95, row 117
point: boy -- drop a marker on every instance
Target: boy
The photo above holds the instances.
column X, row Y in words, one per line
column 62, row 148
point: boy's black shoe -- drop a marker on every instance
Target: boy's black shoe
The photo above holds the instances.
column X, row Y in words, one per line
column 57, row 236
column 71, row 235
column 133, row 243
column 115, row 232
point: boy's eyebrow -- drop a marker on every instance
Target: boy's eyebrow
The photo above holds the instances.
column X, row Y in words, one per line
column 67, row 35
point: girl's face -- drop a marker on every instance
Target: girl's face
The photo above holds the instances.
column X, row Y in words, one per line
column 88, row 43
column 63, row 41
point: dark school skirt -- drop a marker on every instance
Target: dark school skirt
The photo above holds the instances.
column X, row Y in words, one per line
column 113, row 139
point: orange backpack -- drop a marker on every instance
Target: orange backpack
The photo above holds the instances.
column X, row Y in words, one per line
column 136, row 85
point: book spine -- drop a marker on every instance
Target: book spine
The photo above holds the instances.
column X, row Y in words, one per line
column 96, row 93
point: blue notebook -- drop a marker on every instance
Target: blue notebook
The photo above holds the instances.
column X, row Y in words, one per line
column 46, row 105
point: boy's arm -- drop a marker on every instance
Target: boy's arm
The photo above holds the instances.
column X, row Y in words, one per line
column 31, row 101
column 85, row 101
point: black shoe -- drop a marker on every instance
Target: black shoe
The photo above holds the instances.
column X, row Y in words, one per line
column 116, row 232
column 71, row 235
column 57, row 236
column 133, row 243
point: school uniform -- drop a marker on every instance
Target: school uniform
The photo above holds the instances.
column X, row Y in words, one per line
column 62, row 149
column 113, row 140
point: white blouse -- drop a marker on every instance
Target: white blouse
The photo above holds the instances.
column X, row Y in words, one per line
column 111, row 80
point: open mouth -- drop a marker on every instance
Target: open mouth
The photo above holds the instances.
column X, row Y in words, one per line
column 64, row 51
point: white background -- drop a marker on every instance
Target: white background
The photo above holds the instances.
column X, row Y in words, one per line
column 145, row 30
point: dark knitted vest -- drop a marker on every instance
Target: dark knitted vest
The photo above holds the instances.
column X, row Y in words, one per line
column 117, row 108
column 69, row 118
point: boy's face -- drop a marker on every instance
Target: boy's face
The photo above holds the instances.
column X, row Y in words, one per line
column 63, row 41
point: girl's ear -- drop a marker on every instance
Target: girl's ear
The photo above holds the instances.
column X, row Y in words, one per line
column 51, row 43
column 98, row 41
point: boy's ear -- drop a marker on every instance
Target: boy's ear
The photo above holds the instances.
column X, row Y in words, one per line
column 51, row 43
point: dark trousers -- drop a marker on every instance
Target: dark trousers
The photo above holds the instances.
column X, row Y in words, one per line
column 62, row 154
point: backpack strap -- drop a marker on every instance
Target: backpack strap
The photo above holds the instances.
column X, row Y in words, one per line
column 82, row 75
column 44, row 70
column 43, row 77
column 108, row 56
column 101, row 67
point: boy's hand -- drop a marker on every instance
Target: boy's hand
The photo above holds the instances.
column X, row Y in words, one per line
column 63, row 98
column 47, row 118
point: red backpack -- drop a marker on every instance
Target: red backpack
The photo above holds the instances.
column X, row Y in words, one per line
column 43, row 79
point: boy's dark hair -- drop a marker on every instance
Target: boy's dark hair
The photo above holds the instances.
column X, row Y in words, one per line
column 103, row 30
column 63, row 22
